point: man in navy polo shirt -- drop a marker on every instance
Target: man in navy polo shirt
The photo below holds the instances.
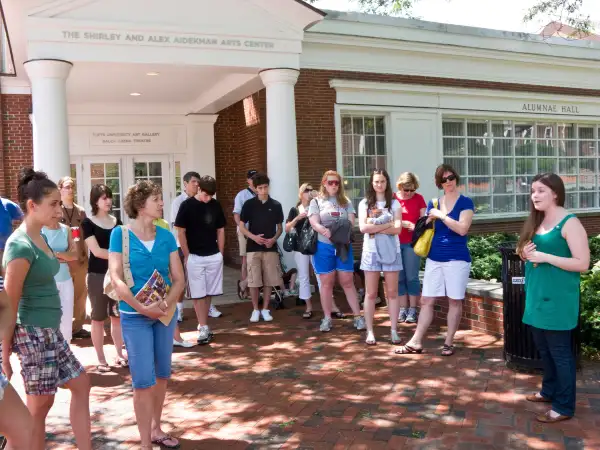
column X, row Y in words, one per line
column 261, row 222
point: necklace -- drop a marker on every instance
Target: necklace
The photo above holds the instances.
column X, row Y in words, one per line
column 70, row 217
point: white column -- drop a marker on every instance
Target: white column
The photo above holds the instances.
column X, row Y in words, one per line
column 201, row 144
column 50, row 125
column 282, row 145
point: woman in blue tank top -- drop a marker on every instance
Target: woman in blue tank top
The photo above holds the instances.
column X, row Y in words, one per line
column 448, row 263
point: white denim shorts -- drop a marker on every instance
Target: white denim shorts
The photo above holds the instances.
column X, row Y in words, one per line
column 446, row 279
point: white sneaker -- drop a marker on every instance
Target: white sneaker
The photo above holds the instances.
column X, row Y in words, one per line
column 204, row 335
column 184, row 344
column 266, row 315
column 214, row 312
column 255, row 316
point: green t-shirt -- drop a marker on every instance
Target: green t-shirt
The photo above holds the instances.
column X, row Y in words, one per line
column 40, row 302
column 551, row 293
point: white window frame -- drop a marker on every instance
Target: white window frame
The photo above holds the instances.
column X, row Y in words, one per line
column 341, row 110
column 536, row 120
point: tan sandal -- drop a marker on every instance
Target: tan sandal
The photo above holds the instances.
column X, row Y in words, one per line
column 545, row 418
column 537, row 399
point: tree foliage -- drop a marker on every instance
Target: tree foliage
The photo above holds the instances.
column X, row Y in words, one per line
column 568, row 12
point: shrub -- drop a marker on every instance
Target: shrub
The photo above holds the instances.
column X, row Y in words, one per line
column 486, row 259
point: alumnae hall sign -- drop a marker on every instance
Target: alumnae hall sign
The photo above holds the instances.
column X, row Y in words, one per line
column 550, row 108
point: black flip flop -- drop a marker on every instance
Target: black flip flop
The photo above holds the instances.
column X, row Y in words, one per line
column 338, row 315
column 307, row 315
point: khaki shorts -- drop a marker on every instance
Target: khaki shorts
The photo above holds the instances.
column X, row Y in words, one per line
column 242, row 242
column 264, row 269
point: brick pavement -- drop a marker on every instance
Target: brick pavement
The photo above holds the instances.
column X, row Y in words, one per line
column 284, row 385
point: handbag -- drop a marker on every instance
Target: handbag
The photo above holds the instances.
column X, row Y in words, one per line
column 307, row 239
column 109, row 290
column 290, row 241
column 423, row 244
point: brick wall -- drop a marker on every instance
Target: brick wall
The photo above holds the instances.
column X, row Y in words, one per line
column 17, row 142
column 240, row 145
column 480, row 314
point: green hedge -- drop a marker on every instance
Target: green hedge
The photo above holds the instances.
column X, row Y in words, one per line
column 487, row 265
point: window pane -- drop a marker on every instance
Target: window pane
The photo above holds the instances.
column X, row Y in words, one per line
column 359, row 166
column 479, row 185
column 502, row 147
column 116, row 201
column 504, row 204
column 587, row 200
column 357, row 125
column 587, row 148
column 525, row 148
column 453, row 128
column 572, row 201
column 504, row 185
column 482, row 205
column 570, row 182
column 479, row 166
column 346, row 125
column 371, row 163
column 346, row 145
column 478, row 147
column 567, row 148
column 454, row 147
column 525, row 166
column 523, row 185
column 380, row 125
column 566, row 131
column 369, row 125
column 97, row 171
column 359, row 144
column 547, row 165
column 502, row 129
column 522, row 203
column 503, row 166
column 567, row 165
column 140, row 169
column 369, row 145
column 586, row 133
column 477, row 129
column 523, row 132
column 155, row 169
column 348, row 166
column 459, row 164
column 545, row 148
column 112, row 170
column 113, row 184
column 177, row 177
column 545, row 131
column 587, row 182
column 380, row 142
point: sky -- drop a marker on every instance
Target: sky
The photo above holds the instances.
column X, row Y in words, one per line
column 497, row 14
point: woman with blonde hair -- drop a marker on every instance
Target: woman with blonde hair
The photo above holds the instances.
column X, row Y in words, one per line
column 296, row 220
column 333, row 209
column 413, row 208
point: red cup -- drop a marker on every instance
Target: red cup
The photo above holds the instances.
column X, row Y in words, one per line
column 75, row 232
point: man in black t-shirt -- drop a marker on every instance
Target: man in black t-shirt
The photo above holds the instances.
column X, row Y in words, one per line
column 201, row 229
column 261, row 222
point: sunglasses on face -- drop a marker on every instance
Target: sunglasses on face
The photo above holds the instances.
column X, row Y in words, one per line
column 448, row 178
column 333, row 183
column 408, row 190
column 308, row 190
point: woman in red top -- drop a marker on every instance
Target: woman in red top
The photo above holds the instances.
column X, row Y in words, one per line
column 413, row 207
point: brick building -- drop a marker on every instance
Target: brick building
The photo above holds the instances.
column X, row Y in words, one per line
column 119, row 91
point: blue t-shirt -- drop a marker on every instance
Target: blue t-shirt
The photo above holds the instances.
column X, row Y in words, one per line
column 9, row 211
column 143, row 262
column 446, row 244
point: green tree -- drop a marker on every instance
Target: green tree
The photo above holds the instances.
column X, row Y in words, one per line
column 567, row 12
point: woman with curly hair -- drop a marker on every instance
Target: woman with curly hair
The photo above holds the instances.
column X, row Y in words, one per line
column 148, row 339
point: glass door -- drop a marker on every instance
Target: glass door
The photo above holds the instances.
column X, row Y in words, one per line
column 155, row 169
column 108, row 171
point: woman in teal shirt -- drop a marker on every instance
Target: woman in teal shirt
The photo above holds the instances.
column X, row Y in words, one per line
column 47, row 362
column 555, row 247
column 148, row 340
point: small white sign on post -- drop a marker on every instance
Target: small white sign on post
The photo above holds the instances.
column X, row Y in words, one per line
column 518, row 280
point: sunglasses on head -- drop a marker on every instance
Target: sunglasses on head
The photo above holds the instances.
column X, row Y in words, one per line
column 448, row 178
column 333, row 183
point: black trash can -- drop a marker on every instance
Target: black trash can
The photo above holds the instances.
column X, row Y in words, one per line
column 519, row 348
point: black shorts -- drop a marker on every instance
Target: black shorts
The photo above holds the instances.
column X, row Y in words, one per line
column 102, row 305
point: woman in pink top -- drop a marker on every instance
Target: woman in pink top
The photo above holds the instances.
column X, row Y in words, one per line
column 413, row 207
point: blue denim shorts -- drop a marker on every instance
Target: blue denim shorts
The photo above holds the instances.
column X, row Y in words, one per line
column 3, row 384
column 149, row 346
column 370, row 263
column 327, row 261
